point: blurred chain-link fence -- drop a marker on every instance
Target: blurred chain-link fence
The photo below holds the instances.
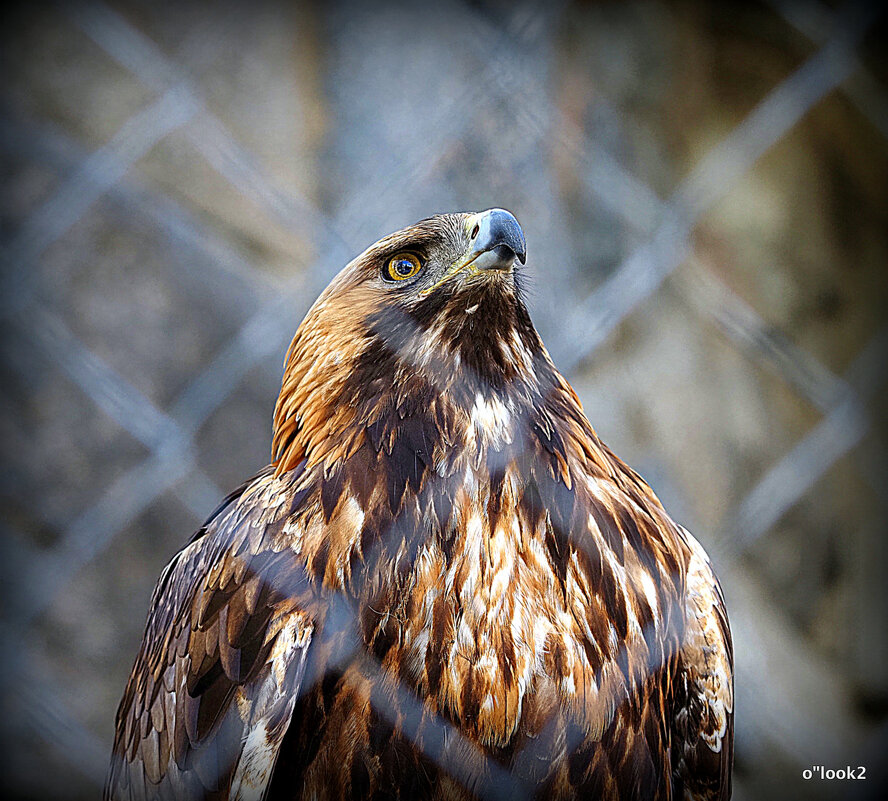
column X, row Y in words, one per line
column 703, row 190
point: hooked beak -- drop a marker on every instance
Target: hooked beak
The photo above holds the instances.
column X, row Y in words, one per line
column 496, row 241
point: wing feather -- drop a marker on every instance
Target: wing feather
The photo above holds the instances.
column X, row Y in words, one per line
column 704, row 691
column 222, row 660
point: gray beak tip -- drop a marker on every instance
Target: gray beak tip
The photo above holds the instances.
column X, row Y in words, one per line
column 497, row 229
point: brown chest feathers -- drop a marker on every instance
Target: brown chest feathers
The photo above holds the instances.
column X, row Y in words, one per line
column 496, row 562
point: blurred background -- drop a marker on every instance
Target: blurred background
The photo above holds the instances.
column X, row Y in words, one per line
column 704, row 190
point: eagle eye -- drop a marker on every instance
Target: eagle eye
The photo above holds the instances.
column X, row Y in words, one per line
column 402, row 266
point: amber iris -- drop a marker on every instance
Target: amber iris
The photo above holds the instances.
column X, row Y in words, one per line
column 403, row 266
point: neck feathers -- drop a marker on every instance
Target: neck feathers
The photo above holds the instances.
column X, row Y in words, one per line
column 433, row 382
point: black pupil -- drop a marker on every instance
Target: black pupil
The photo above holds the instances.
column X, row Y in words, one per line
column 403, row 267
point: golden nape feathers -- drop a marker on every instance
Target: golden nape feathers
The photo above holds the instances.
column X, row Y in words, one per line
column 445, row 586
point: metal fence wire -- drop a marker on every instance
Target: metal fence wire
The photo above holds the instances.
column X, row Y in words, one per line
column 180, row 185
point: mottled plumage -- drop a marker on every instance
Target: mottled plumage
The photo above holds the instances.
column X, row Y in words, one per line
column 445, row 586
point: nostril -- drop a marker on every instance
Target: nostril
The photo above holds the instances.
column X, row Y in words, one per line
column 475, row 231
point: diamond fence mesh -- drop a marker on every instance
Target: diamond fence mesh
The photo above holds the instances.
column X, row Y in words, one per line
column 703, row 191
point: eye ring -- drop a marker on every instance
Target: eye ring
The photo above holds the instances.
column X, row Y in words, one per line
column 402, row 266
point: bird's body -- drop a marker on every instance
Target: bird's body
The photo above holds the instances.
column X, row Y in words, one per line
column 444, row 587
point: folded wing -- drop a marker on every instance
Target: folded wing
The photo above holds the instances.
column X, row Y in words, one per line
column 704, row 691
column 221, row 663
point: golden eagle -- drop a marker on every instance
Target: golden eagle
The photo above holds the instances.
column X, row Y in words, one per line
column 444, row 586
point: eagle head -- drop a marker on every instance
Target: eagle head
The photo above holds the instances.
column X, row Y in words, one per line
column 432, row 310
